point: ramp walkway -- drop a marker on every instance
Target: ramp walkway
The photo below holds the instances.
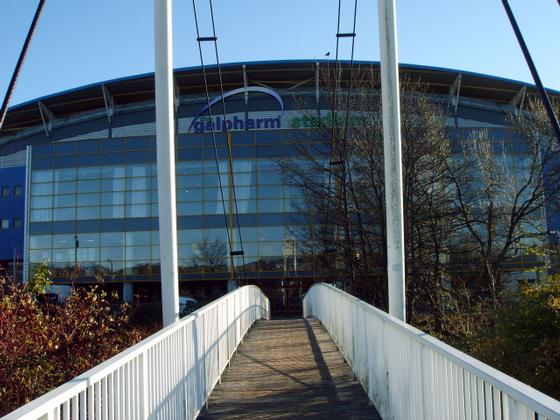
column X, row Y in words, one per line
column 288, row 368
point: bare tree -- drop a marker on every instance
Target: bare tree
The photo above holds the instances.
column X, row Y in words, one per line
column 341, row 175
column 500, row 193
column 211, row 254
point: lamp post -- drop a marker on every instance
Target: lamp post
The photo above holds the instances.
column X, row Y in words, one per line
column 111, row 263
column 76, row 246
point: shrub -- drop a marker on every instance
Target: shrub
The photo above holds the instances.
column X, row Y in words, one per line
column 525, row 338
column 44, row 344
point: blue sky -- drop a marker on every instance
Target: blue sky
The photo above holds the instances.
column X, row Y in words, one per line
column 83, row 41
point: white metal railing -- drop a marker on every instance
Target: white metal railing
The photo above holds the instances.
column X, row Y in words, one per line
column 169, row 375
column 409, row 374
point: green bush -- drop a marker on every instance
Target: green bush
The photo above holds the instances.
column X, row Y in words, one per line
column 525, row 337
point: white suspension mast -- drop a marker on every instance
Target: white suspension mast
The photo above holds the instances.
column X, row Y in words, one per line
column 165, row 143
column 392, row 157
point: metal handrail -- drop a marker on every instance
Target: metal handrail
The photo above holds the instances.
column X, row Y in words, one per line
column 172, row 371
column 417, row 371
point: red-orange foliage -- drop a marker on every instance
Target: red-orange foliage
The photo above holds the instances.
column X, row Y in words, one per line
column 43, row 345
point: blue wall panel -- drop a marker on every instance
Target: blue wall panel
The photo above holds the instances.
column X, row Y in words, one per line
column 12, row 207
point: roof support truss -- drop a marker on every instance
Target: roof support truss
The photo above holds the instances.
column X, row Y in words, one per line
column 47, row 116
column 317, row 83
column 519, row 98
column 176, row 94
column 109, row 103
column 245, row 85
column 455, row 91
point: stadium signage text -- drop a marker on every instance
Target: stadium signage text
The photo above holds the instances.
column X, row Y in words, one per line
column 264, row 120
column 219, row 123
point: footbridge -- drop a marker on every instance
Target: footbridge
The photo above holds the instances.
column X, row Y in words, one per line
column 344, row 359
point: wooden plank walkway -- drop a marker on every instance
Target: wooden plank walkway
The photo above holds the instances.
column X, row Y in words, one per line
column 288, row 369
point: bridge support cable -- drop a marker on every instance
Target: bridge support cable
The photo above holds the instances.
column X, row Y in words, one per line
column 392, row 157
column 544, row 96
column 241, row 251
column 19, row 64
column 346, row 170
column 338, row 164
column 165, row 146
column 227, row 223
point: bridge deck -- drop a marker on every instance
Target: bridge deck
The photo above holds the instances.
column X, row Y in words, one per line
column 288, row 369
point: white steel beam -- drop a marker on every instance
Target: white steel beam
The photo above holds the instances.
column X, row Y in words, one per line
column 165, row 143
column 392, row 157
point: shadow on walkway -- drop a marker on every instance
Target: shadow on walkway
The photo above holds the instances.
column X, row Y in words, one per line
column 288, row 368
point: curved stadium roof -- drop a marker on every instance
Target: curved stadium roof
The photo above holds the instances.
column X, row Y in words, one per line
column 274, row 74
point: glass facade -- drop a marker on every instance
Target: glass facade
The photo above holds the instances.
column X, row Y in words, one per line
column 94, row 202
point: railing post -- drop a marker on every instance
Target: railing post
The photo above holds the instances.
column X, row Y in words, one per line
column 144, row 388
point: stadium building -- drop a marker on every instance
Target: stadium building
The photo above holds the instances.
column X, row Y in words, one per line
column 78, row 172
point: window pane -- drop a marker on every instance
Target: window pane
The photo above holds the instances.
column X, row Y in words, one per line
column 108, row 198
column 85, row 213
column 270, row 177
column 42, row 176
column 211, row 194
column 88, row 199
column 192, row 181
column 112, row 238
column 89, row 173
column 88, row 254
column 270, row 206
column 189, row 209
column 113, row 172
column 44, row 215
column 271, row 233
column 88, row 240
column 64, row 213
column 192, row 194
column 138, row 170
column 65, row 174
column 112, row 184
column 41, row 202
column 42, row 189
column 112, row 212
column 63, row 241
column 65, row 187
column 138, row 210
column 39, row 255
column 138, row 183
column 40, row 241
column 138, row 253
column 138, row 238
column 269, row 191
column 111, row 253
column 136, row 197
column 63, row 255
column 68, row 200
column 88, row 186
